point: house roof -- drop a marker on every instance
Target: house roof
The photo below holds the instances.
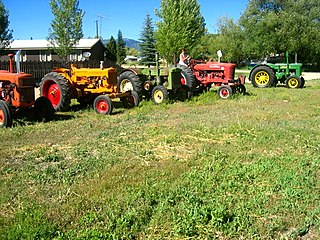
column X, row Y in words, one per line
column 44, row 44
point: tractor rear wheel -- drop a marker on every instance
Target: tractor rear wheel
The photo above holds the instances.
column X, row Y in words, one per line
column 56, row 88
column 159, row 94
column 103, row 105
column 131, row 101
column 293, row 82
column 225, row 91
column 5, row 115
column 43, row 109
column 129, row 81
column 262, row 77
column 188, row 79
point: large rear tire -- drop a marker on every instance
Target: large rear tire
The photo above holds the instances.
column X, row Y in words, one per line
column 262, row 77
column 56, row 88
column 129, row 81
column 5, row 115
column 188, row 79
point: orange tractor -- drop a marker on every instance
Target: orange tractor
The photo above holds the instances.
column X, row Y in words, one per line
column 17, row 93
column 97, row 85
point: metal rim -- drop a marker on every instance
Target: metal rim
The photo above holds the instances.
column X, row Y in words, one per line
column 183, row 80
column 2, row 117
column 293, row 82
column 102, row 106
column 224, row 92
column 52, row 92
column 262, row 78
column 126, row 85
column 158, row 96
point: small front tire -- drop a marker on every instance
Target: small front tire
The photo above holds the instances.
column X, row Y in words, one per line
column 293, row 82
column 159, row 94
column 103, row 105
column 225, row 91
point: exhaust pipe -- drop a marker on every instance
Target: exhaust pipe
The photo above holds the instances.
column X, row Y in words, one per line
column 10, row 63
column 17, row 59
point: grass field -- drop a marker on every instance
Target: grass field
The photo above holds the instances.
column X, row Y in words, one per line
column 242, row 168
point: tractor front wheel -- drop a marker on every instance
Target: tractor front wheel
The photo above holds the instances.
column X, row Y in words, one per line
column 159, row 94
column 225, row 91
column 241, row 89
column 293, row 82
column 131, row 101
column 5, row 115
column 103, row 105
column 43, row 109
column 56, row 88
column 262, row 77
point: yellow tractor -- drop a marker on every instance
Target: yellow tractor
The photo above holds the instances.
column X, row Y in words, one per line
column 97, row 85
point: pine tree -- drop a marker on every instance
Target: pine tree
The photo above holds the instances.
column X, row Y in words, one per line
column 5, row 32
column 182, row 26
column 121, row 49
column 147, row 45
column 66, row 27
column 112, row 49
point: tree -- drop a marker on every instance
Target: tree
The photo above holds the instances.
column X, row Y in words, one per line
column 66, row 27
column 147, row 45
column 112, row 49
column 274, row 26
column 121, row 49
column 5, row 32
column 182, row 26
column 230, row 40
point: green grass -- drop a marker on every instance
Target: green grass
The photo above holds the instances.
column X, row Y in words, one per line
column 242, row 168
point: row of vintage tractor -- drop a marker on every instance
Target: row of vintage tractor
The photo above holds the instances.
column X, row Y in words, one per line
column 98, row 86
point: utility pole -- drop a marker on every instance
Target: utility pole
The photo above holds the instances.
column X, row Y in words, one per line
column 100, row 19
column 97, row 30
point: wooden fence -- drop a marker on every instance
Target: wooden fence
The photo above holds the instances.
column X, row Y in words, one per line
column 39, row 69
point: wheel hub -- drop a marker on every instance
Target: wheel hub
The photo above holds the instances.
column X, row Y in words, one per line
column 225, row 93
column 293, row 83
column 102, row 106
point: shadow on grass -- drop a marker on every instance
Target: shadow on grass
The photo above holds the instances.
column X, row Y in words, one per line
column 27, row 117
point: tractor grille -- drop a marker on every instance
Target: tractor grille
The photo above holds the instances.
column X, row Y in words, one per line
column 26, row 81
column 112, row 77
column 176, row 77
column 26, row 94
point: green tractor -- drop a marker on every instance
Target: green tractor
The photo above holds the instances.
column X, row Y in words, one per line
column 269, row 74
column 159, row 84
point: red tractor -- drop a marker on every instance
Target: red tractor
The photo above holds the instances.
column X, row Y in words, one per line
column 17, row 93
column 201, row 75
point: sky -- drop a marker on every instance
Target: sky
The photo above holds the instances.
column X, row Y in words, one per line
column 32, row 18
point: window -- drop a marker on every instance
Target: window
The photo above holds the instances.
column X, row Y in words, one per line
column 45, row 56
column 76, row 56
